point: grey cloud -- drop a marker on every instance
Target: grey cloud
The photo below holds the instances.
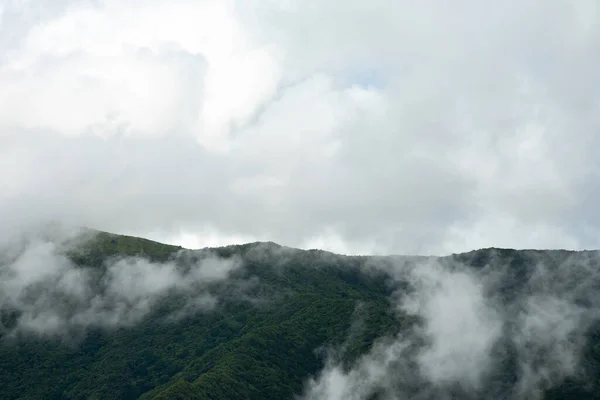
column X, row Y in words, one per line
column 466, row 81
column 143, row 177
column 479, row 129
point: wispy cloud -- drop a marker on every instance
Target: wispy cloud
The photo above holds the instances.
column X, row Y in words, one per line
column 483, row 332
column 43, row 292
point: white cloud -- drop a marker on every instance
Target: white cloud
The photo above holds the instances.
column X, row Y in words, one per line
column 503, row 330
column 52, row 296
column 396, row 127
column 459, row 322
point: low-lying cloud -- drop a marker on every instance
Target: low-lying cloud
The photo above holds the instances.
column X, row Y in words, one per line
column 42, row 291
column 460, row 326
column 509, row 329
column 508, row 325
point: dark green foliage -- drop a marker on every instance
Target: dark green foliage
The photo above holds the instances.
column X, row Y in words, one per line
column 262, row 341
column 240, row 350
column 103, row 245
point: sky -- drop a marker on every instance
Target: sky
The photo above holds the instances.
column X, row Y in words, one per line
column 358, row 127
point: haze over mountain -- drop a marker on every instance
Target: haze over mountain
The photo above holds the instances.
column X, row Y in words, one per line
column 87, row 315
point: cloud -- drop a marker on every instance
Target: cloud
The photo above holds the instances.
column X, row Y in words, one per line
column 380, row 127
column 43, row 292
column 460, row 326
column 511, row 328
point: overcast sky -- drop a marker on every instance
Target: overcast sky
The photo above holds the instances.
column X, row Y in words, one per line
column 380, row 126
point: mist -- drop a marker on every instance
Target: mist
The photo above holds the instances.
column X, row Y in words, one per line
column 487, row 324
column 510, row 327
column 43, row 292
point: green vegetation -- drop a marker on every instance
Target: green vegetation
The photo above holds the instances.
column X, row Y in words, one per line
column 241, row 350
column 260, row 342
column 102, row 245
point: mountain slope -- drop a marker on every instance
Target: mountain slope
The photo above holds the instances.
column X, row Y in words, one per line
column 139, row 319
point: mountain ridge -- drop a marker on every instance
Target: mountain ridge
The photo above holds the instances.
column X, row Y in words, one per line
column 122, row 317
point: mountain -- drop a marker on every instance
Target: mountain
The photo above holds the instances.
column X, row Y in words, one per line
column 92, row 315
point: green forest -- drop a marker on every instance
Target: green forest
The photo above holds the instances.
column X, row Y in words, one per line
column 274, row 323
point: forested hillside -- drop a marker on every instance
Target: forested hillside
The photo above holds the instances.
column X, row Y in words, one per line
column 103, row 316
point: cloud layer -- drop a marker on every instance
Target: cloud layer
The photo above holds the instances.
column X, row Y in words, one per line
column 372, row 127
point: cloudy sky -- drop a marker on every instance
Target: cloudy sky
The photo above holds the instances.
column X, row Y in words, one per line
column 379, row 126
